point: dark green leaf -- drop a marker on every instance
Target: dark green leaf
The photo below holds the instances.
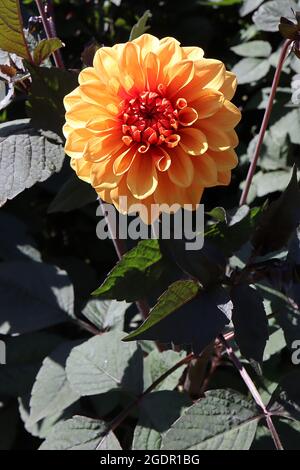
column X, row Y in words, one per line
column 223, row 420
column 104, row 363
column 279, row 220
column 141, row 26
column 45, row 48
column 36, row 295
column 134, row 276
column 197, row 322
column 51, row 392
column 11, row 29
column 250, row 321
column 26, row 157
column 78, row 433
column 48, row 89
column 285, row 400
column 158, row 412
column 73, row 195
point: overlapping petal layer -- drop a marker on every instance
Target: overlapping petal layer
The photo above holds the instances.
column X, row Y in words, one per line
column 152, row 121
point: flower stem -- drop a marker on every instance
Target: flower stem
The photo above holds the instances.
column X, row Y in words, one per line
column 253, row 390
column 49, row 28
column 251, row 171
column 121, row 249
column 123, row 415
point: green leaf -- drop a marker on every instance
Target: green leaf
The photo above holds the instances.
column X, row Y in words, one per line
column 223, row 420
column 251, row 70
column 48, row 89
column 78, row 433
column 51, row 392
column 12, row 37
column 279, row 220
column 36, row 295
column 105, row 314
column 73, row 195
column 45, row 48
column 198, row 322
column 250, row 321
column 157, row 363
column 24, row 355
column 248, row 6
column 253, row 49
column 267, row 17
column 178, row 294
column 141, row 26
column 104, row 363
column 158, row 411
column 15, row 240
column 207, row 264
column 285, row 400
column 135, row 275
column 26, row 157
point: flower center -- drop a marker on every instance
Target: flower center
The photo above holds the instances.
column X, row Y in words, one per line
column 149, row 119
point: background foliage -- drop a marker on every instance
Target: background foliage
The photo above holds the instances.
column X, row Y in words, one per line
column 69, row 375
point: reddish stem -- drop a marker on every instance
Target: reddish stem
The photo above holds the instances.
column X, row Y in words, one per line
column 265, row 121
column 49, row 28
column 253, row 390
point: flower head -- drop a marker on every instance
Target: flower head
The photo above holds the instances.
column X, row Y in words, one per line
column 152, row 121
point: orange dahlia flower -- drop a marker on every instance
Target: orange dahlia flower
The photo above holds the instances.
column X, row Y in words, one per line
column 152, row 121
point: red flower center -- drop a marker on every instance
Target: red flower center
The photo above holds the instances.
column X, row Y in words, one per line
column 150, row 118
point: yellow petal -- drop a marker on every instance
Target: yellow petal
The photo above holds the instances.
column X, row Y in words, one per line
column 71, row 99
column 161, row 158
column 82, row 169
column 207, row 103
column 193, row 141
column 88, row 74
column 227, row 117
column 76, row 141
column 124, row 160
column 98, row 148
column 102, row 175
column 181, row 171
column 224, row 160
column 152, row 71
column 229, row 86
column 142, row 177
column 147, row 43
column 187, row 116
column 218, row 139
column 180, row 75
column 193, row 53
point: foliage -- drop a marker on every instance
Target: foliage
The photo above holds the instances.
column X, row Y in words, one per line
column 75, row 362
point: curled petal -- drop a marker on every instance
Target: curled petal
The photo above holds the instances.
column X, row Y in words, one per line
column 161, row 158
column 124, row 160
column 187, row 116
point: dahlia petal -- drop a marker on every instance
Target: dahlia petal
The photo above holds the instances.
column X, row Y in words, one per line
column 104, row 194
column 76, row 142
column 224, row 160
column 218, row 139
column 193, row 141
column 80, row 113
column 161, row 157
column 168, row 194
column 224, row 178
column 227, row 117
column 180, row 75
column 152, row 69
column 106, row 63
column 147, row 43
column 229, row 86
column 124, row 160
column 102, row 175
column 142, row 177
column 72, row 98
column 88, row 74
column 130, row 64
column 181, row 171
column 209, row 73
column 193, row 193
column 96, row 93
column 82, row 168
column 99, row 147
column 122, row 197
column 187, row 116
column 193, row 53
column 207, row 103
column 205, row 170
column 102, row 122
column 169, row 52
